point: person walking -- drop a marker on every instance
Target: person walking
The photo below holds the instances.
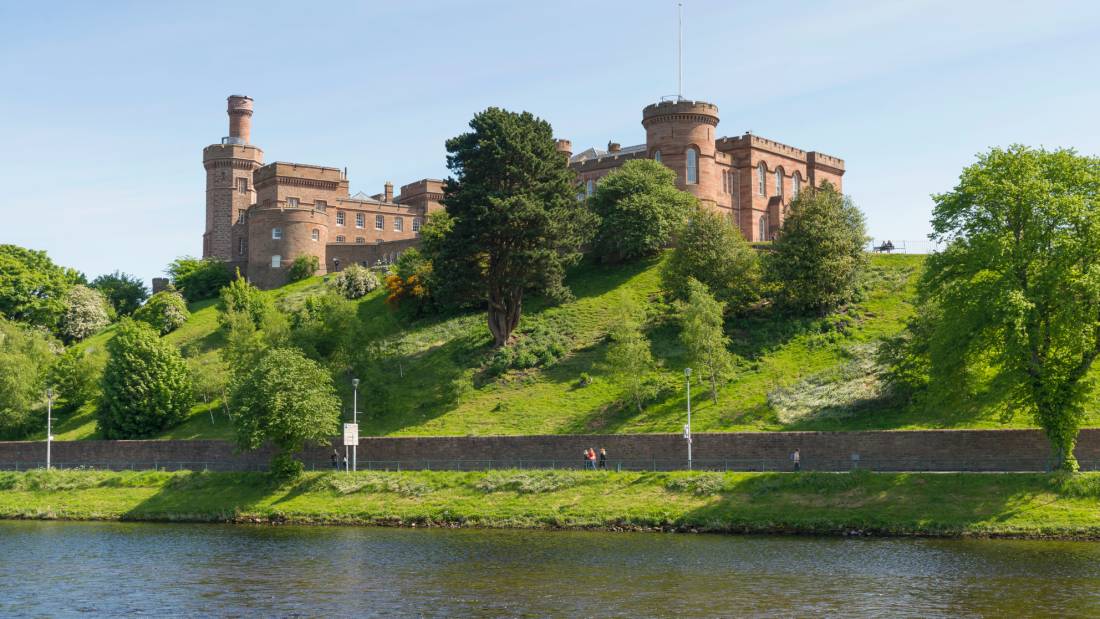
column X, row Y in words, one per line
column 591, row 459
column 796, row 457
column 584, row 456
column 335, row 457
column 603, row 457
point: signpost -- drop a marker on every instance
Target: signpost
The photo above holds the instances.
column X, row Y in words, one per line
column 351, row 438
column 49, row 425
column 687, row 426
column 355, row 421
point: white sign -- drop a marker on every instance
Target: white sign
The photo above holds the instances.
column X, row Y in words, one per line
column 351, row 434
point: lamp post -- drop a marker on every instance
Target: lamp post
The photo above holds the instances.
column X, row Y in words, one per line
column 687, row 426
column 355, row 420
column 49, row 425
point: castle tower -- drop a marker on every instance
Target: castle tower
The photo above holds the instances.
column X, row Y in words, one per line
column 229, row 184
column 672, row 129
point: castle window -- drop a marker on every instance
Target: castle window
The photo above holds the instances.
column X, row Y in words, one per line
column 242, row 185
column 657, row 156
column 796, row 184
column 292, row 202
column 589, row 188
column 315, row 235
column 761, row 178
column 416, row 224
column 398, row 224
column 320, row 205
column 779, row 182
column 340, row 238
column 277, row 233
column 240, row 246
column 240, row 215
column 276, row 262
column 763, row 228
column 692, row 166
column 379, row 222
column 360, row 220
column 339, row 218
column 360, row 240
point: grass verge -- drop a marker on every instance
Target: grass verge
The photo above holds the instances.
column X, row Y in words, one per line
column 962, row 504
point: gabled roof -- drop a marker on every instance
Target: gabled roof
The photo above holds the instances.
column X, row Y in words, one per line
column 599, row 153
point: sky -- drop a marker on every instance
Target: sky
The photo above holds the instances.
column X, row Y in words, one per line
column 105, row 106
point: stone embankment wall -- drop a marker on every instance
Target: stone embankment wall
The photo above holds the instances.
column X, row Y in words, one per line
column 932, row 450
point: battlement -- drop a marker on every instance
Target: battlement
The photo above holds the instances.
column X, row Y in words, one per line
column 232, row 151
column 424, row 185
column 749, row 140
column 664, row 111
column 298, row 170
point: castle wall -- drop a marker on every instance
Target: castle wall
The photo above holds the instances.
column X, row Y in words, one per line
column 298, row 228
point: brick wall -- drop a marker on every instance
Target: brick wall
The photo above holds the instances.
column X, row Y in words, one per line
column 933, row 450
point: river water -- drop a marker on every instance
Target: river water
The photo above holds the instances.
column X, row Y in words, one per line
column 62, row 569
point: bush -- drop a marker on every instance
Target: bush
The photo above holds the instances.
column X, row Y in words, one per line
column 700, row 484
column 241, row 297
column 640, row 210
column 354, row 281
column 85, row 315
column 818, row 256
column 303, row 266
column 75, row 377
column 146, row 386
column 712, row 251
column 529, row 482
column 536, row 346
column 165, row 311
column 25, row 356
column 199, row 279
column 124, row 292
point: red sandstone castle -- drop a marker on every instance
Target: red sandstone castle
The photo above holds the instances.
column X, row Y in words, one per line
column 260, row 218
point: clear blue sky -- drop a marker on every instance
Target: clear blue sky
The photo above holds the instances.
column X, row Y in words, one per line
column 105, row 106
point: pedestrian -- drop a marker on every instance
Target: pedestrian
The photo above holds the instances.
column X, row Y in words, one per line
column 591, row 459
column 335, row 457
column 346, row 464
column 603, row 457
column 796, row 457
column 584, row 456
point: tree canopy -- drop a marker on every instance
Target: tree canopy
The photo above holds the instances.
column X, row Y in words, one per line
column 1018, row 285
column 86, row 312
column 124, row 292
column 198, row 279
column 165, row 311
column 639, row 210
column 704, row 335
column 25, row 357
column 517, row 223
column 32, row 288
column 712, row 251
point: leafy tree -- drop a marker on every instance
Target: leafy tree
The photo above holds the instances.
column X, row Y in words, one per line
column 704, row 336
column 32, row 288
column 25, row 356
column 323, row 329
column 85, row 315
column 628, row 357
column 75, row 377
column 124, row 292
column 435, row 228
column 410, row 280
column 711, row 250
column 354, row 282
column 1018, row 286
column 244, row 298
column 818, row 255
column 639, row 210
column 165, row 311
column 199, row 279
column 287, row 400
column 146, row 386
column 516, row 221
column 303, row 266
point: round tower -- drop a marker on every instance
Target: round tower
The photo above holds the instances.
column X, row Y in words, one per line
column 681, row 135
column 277, row 236
column 564, row 147
column 229, row 184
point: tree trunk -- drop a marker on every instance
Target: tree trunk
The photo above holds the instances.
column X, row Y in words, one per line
column 714, row 387
column 1062, row 443
column 504, row 312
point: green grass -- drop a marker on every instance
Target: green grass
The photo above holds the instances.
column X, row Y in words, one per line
column 1022, row 505
column 793, row 374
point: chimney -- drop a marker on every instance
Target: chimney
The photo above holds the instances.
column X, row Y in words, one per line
column 613, row 147
column 240, row 118
column 389, row 192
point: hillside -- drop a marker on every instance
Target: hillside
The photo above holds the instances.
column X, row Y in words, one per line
column 794, row 374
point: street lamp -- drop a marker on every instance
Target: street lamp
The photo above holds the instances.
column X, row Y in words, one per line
column 355, row 420
column 49, row 425
column 687, row 426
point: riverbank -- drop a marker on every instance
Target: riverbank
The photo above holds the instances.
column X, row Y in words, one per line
column 958, row 504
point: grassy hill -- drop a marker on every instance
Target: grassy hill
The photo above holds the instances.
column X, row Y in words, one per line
column 793, row 374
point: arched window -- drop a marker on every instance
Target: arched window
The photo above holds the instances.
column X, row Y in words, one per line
column 796, row 184
column 779, row 182
column 657, row 156
column 763, row 228
column 589, row 188
column 692, row 166
column 761, row 182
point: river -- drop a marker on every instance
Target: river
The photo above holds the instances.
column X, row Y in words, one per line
column 63, row 569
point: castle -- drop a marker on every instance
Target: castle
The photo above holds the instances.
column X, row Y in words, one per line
column 259, row 218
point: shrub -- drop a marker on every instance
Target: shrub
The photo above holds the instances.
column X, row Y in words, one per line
column 124, row 292
column 711, row 250
column 537, row 346
column 165, row 311
column 241, row 297
column 146, row 387
column 700, row 484
column 354, row 282
column 199, row 279
column 818, row 256
column 75, row 376
column 640, row 209
column 85, row 315
column 303, row 266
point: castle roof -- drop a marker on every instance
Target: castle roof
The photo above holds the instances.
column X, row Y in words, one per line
column 594, row 154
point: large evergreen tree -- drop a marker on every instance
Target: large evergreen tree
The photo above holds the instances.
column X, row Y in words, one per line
column 517, row 223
